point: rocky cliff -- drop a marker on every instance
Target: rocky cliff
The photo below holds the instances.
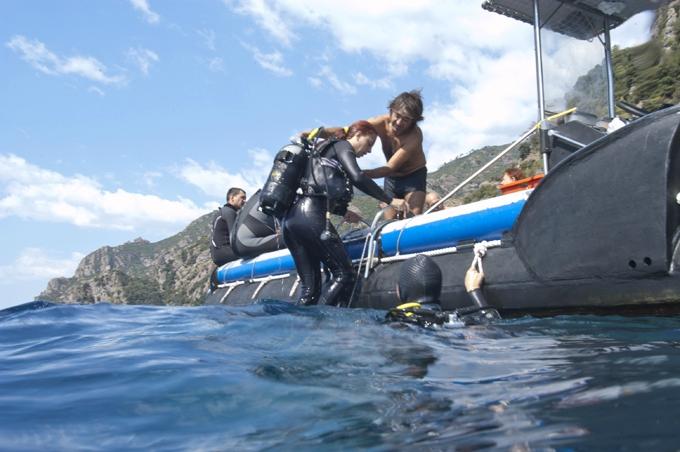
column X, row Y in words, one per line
column 647, row 75
column 172, row 271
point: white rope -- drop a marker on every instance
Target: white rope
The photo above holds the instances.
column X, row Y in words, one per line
column 403, row 257
column 484, row 245
column 480, row 251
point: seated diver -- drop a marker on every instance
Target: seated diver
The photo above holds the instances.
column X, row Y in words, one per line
column 431, row 199
column 223, row 222
column 254, row 231
column 419, row 289
column 326, row 186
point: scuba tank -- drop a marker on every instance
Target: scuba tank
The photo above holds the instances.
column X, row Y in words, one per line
column 279, row 191
column 290, row 163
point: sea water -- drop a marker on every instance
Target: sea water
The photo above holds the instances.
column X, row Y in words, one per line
column 276, row 376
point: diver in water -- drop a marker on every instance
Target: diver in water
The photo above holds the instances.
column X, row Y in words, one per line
column 419, row 289
column 254, row 231
column 326, row 186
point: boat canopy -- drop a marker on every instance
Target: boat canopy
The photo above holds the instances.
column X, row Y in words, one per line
column 580, row 19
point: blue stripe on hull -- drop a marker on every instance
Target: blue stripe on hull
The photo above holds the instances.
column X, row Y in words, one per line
column 485, row 224
column 483, row 220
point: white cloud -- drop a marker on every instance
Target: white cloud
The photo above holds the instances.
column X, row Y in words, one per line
column 382, row 83
column 94, row 89
column 272, row 62
column 267, row 16
column 149, row 178
column 143, row 58
column 315, row 82
column 208, row 36
column 30, row 192
column 216, row 64
column 487, row 60
column 35, row 264
column 495, row 109
column 422, row 29
column 332, row 79
column 145, row 9
column 634, row 31
column 215, row 180
column 41, row 58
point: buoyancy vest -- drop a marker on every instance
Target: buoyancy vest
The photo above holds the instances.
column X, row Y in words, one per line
column 325, row 176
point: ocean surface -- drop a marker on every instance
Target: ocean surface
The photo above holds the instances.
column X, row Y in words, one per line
column 274, row 376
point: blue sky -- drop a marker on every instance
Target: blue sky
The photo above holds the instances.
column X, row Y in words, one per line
column 129, row 118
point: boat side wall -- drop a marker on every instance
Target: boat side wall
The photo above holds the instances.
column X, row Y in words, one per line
column 673, row 192
column 606, row 211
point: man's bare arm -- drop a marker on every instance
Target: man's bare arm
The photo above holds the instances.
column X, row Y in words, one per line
column 379, row 122
column 326, row 132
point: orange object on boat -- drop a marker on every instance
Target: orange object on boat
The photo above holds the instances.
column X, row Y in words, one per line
column 522, row 184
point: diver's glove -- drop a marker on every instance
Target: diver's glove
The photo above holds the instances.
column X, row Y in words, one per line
column 426, row 314
column 476, row 315
column 480, row 313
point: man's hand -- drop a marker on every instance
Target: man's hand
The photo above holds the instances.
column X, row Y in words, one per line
column 473, row 278
column 399, row 204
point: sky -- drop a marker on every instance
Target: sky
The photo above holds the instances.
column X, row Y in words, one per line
column 130, row 118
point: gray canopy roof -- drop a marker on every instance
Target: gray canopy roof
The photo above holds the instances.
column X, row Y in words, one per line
column 581, row 19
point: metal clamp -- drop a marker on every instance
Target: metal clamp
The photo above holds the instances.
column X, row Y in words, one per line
column 264, row 281
column 231, row 287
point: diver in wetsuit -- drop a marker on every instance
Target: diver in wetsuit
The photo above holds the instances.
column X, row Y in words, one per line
column 326, row 188
column 419, row 288
column 254, row 231
column 405, row 169
column 223, row 223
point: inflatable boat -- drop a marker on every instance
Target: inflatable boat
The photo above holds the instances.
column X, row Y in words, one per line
column 599, row 233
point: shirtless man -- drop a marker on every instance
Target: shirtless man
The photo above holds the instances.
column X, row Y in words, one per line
column 405, row 172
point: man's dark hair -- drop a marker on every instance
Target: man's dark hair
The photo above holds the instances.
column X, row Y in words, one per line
column 233, row 191
column 514, row 173
column 409, row 101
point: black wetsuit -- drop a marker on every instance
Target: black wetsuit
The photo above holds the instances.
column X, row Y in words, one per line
column 304, row 223
column 254, row 232
column 220, row 245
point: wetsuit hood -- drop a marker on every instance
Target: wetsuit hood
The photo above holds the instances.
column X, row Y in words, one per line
column 420, row 279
